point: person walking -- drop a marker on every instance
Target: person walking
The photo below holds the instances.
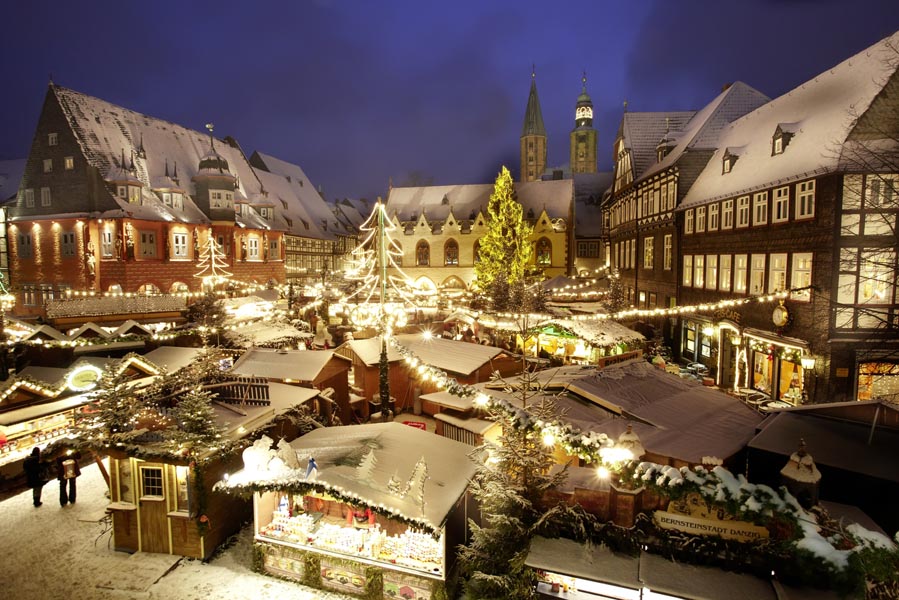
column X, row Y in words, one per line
column 34, row 474
column 67, row 472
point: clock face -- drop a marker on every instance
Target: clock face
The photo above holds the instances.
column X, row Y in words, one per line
column 780, row 316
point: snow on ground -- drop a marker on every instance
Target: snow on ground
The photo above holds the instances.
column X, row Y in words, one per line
column 54, row 552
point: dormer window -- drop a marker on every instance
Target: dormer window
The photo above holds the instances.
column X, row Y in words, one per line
column 266, row 212
column 727, row 164
column 133, row 194
column 177, row 201
column 221, row 199
column 782, row 136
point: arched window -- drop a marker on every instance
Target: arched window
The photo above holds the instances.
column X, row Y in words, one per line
column 179, row 287
column 477, row 252
column 544, row 252
column 451, row 253
column 396, row 253
column 150, row 289
column 422, row 254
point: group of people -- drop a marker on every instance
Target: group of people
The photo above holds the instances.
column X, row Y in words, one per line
column 38, row 472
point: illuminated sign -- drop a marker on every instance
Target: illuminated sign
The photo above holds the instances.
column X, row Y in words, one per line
column 83, row 378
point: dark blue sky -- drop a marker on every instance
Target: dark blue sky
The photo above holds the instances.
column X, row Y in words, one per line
column 358, row 92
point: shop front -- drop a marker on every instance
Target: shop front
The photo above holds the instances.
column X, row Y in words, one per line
column 773, row 366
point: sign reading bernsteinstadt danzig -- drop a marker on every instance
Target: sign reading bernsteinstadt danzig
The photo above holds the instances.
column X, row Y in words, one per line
column 731, row 530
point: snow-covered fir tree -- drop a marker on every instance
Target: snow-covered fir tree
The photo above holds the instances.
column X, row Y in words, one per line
column 110, row 416
column 615, row 299
column 195, row 420
column 510, row 486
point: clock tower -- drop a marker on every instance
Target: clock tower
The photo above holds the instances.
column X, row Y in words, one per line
column 533, row 137
column 583, row 136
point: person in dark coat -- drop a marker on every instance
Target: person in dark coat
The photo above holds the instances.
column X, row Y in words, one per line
column 67, row 472
column 33, row 475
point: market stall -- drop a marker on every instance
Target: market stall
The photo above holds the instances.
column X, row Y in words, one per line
column 374, row 510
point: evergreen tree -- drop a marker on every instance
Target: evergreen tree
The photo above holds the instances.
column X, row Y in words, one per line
column 505, row 248
column 195, row 419
column 510, row 487
column 615, row 300
column 111, row 412
column 207, row 312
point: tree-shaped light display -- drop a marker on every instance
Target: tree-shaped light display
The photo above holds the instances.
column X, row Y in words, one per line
column 382, row 297
column 212, row 265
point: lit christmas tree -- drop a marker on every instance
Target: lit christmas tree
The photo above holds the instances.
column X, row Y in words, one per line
column 112, row 412
column 195, row 419
column 212, row 265
column 382, row 297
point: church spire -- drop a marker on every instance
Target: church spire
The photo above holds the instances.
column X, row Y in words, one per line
column 583, row 136
column 533, row 136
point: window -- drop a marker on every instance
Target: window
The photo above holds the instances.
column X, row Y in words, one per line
column 122, row 192
column 148, row 244
column 221, row 246
column 266, row 212
column 252, row 248
column 713, row 216
column 45, row 196
column 648, row 243
column 688, row 221
column 727, row 164
column 422, row 254
column 700, row 219
column 740, row 273
column 690, row 340
column 182, row 482
column 67, row 243
column 47, row 292
column 29, row 198
column 106, row 243
column 151, row 482
column 724, row 272
column 805, row 200
column 743, row 211
column 777, row 273
column 26, row 249
column 451, row 253
column 52, row 139
column 727, row 214
column 179, row 245
column 632, row 263
column 781, row 205
column 69, row 163
column 588, row 249
column 544, row 252
column 664, row 197
column 711, row 271
column 167, row 198
column 760, row 209
column 778, row 146
column 273, row 253
column 698, row 270
column 877, row 275
column 705, row 345
column 133, row 194
column 757, row 275
column 880, row 191
column 688, row 270
column 177, row 201
column 801, row 276
column 29, row 294
column 667, row 252
column 48, row 165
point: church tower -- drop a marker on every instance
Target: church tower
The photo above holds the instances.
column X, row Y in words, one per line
column 533, row 137
column 583, row 136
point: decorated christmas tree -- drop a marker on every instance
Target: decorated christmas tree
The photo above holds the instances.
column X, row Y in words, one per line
column 112, row 412
column 195, row 420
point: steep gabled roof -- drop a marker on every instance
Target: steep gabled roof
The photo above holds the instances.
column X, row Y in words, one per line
column 822, row 112
column 311, row 201
column 643, row 130
column 704, row 128
column 300, row 222
column 106, row 131
column 553, row 196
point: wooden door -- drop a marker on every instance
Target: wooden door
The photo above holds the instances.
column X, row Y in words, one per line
column 153, row 508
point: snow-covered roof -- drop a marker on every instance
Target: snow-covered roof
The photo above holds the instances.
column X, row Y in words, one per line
column 263, row 333
column 397, row 448
column 296, row 365
column 282, row 398
column 597, row 333
column 822, row 107
column 291, row 212
column 173, row 358
column 11, row 172
column 643, row 130
column 309, row 200
column 461, row 358
column 594, row 563
column 105, row 132
column 703, row 129
column 435, row 202
column 673, row 417
column 369, row 351
column 835, row 441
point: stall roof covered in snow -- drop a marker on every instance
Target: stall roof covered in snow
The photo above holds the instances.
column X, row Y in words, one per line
column 238, row 420
column 600, row 334
column 436, row 202
column 454, row 356
column 656, row 573
column 820, row 114
column 262, row 333
column 173, row 358
column 295, row 365
column 338, row 452
column 673, row 417
column 835, row 439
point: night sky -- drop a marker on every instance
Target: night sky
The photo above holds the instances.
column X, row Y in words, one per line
column 419, row 91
